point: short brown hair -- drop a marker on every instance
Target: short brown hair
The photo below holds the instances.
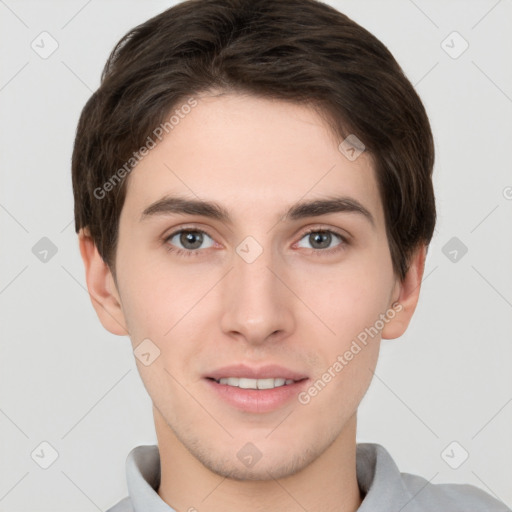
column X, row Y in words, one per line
column 302, row 51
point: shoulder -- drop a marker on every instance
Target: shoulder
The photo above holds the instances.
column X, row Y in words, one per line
column 386, row 488
column 125, row 505
column 451, row 497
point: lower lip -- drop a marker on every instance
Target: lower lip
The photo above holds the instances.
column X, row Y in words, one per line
column 257, row 400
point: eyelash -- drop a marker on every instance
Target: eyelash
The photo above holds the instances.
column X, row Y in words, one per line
column 197, row 252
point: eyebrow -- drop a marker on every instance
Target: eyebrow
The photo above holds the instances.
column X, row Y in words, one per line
column 168, row 205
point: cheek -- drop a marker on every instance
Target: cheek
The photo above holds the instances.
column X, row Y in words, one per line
column 349, row 298
column 161, row 310
column 348, row 361
column 165, row 305
column 350, row 304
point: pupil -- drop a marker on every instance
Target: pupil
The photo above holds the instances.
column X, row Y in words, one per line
column 189, row 238
column 318, row 238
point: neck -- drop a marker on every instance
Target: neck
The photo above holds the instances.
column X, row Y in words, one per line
column 328, row 484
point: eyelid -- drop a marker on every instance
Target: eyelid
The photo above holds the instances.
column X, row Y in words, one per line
column 342, row 234
column 185, row 227
column 179, row 229
column 337, row 231
column 344, row 242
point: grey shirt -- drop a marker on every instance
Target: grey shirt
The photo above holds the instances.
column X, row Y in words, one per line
column 384, row 487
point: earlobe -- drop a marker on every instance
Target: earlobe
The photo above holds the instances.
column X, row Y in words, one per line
column 406, row 299
column 101, row 286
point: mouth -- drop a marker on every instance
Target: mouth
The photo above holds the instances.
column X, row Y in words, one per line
column 256, row 390
column 248, row 383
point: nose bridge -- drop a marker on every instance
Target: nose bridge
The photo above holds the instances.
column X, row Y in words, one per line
column 258, row 303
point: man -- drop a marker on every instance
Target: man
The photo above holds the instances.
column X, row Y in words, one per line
column 254, row 202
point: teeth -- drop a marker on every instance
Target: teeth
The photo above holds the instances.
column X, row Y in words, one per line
column 255, row 383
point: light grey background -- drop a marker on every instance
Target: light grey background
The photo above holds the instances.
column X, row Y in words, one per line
column 66, row 381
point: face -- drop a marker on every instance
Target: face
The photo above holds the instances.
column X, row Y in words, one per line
column 264, row 285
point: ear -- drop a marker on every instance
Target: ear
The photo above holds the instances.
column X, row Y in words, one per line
column 101, row 285
column 405, row 296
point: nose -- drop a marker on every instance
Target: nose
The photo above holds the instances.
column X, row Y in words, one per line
column 257, row 303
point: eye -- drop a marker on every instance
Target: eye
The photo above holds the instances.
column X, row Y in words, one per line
column 188, row 242
column 321, row 240
column 190, row 239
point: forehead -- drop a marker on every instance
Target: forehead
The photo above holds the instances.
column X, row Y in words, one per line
column 256, row 155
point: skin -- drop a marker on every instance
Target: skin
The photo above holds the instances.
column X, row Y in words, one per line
column 296, row 305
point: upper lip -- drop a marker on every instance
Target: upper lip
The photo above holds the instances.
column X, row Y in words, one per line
column 262, row 372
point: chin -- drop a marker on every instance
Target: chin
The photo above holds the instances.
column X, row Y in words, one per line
column 262, row 467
